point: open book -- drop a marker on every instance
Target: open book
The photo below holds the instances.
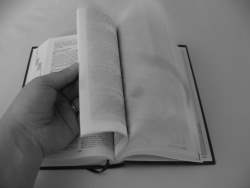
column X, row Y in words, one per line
column 136, row 105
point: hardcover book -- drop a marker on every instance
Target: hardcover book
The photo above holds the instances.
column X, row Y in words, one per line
column 139, row 101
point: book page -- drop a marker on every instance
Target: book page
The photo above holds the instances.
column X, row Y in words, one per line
column 161, row 118
column 61, row 53
column 101, row 92
column 205, row 152
column 87, row 150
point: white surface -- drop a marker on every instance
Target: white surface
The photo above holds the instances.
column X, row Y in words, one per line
column 218, row 34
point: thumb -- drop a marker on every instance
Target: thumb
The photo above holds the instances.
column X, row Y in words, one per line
column 59, row 80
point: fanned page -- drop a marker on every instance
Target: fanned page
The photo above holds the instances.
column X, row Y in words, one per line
column 100, row 82
column 162, row 122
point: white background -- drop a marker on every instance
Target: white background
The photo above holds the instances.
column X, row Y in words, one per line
column 218, row 35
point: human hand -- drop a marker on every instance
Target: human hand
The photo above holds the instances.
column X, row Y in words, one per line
column 42, row 112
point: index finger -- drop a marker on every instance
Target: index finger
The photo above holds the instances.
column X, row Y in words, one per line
column 71, row 91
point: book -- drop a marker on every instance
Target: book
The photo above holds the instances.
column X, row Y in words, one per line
column 137, row 106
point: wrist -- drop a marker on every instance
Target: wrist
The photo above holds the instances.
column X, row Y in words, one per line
column 20, row 159
column 21, row 139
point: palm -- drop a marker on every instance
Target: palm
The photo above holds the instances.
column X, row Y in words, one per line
column 47, row 114
column 53, row 119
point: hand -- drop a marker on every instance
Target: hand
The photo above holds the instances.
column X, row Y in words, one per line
column 42, row 112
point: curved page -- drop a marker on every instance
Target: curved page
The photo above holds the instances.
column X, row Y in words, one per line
column 100, row 84
column 161, row 118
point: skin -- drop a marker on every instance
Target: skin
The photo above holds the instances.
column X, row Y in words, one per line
column 40, row 121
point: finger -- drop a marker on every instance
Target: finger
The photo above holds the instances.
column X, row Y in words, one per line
column 75, row 103
column 67, row 113
column 71, row 91
column 59, row 80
